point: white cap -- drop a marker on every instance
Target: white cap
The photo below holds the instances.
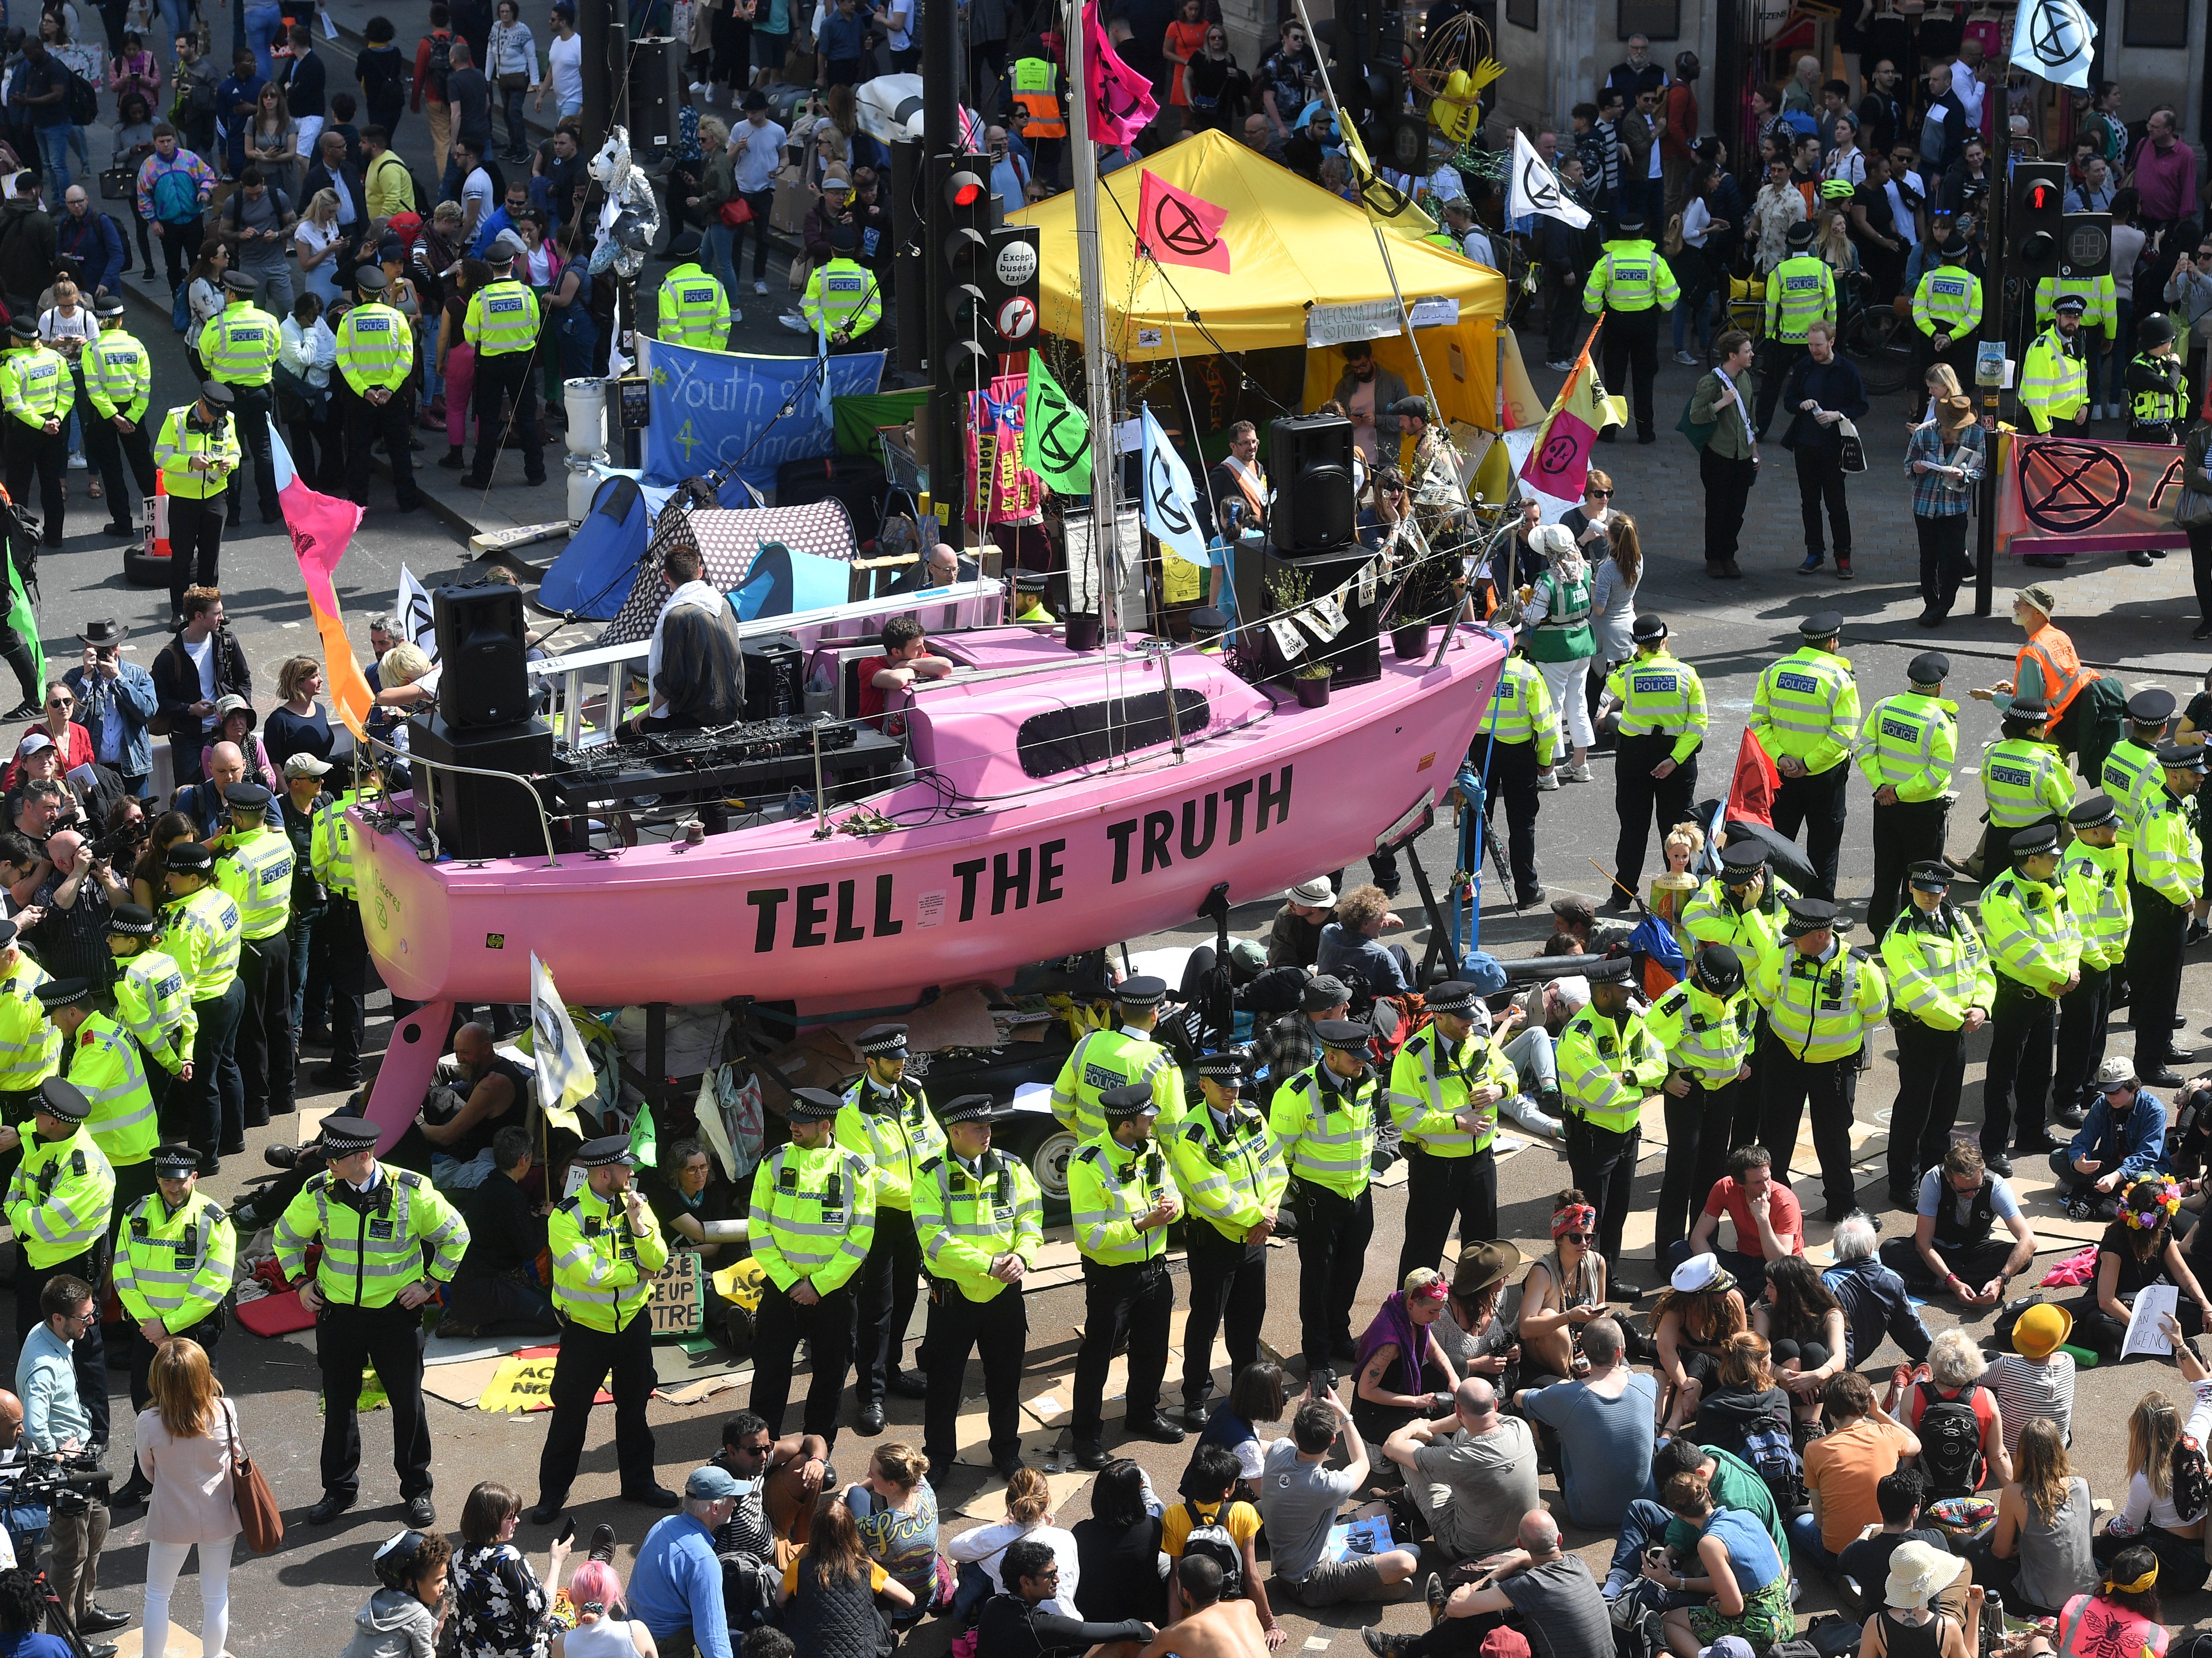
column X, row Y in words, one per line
column 1317, row 893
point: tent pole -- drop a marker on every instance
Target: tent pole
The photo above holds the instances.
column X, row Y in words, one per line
column 1098, row 393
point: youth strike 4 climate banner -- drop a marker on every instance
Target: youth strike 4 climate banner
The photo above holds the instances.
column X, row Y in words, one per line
column 2062, row 495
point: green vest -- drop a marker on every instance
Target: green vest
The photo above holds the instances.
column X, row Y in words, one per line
column 1659, row 695
column 1630, row 276
column 1947, row 301
column 60, row 1197
column 1800, row 292
column 257, row 873
column 1521, row 709
column 119, row 375
column 1707, row 1036
column 897, row 1134
column 1907, row 742
column 1234, row 1180
column 1607, row 1068
column 1114, row 1058
column 694, row 310
column 1819, row 1010
column 502, row 318
column 2026, row 781
column 2096, row 883
column 204, row 936
column 1938, row 966
column 1563, row 634
column 2030, row 928
column 2169, row 404
column 1430, row 1084
column 372, row 1245
column 155, row 1005
column 330, row 845
column 964, row 1222
column 180, row 439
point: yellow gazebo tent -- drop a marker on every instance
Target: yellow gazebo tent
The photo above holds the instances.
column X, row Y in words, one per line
column 1294, row 249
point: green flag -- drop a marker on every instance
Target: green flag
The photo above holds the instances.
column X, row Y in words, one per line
column 643, row 1140
column 25, row 622
column 1055, row 434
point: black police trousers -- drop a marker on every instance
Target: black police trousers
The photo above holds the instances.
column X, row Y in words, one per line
column 1931, row 1069
column 2016, row 1084
column 1512, row 778
column 252, row 406
column 390, row 1337
column 1227, row 1280
column 1442, row 1190
column 889, row 1281
column 365, row 422
column 1602, row 1163
column 586, row 1358
column 1700, row 1124
column 1831, row 1087
column 133, row 1181
column 109, row 449
column 1819, row 802
column 2153, row 969
column 1911, row 832
column 87, row 1354
column 1132, row 1302
column 499, row 378
column 207, row 1333
column 2084, row 1013
column 201, row 1109
column 1333, row 1234
column 265, row 1057
column 827, row 1327
column 341, row 925
column 1630, row 340
column 1640, row 798
column 29, row 451
column 195, row 553
column 958, row 1327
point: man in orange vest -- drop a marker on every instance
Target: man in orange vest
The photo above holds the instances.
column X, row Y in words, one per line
column 1035, row 83
column 2049, row 670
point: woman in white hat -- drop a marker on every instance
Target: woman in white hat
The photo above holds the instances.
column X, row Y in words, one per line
column 1909, row 1625
column 1692, row 1322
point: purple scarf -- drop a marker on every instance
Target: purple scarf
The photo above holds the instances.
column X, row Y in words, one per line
column 1393, row 1326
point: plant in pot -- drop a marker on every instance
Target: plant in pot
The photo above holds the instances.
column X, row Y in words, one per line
column 1430, row 589
column 1310, row 682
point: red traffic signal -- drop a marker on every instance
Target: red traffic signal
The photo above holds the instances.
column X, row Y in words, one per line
column 963, row 190
column 2040, row 197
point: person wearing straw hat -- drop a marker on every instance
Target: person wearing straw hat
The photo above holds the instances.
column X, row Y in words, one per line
column 1944, row 458
column 1908, row 1624
column 1294, row 938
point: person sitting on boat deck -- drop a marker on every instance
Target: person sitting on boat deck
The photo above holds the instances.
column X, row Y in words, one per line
column 905, row 659
column 695, row 666
column 1028, row 599
column 1294, row 939
column 1349, row 944
column 491, row 1090
column 946, row 565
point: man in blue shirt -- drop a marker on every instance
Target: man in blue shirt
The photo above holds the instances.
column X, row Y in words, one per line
column 1874, row 1298
column 234, row 100
column 2123, row 1135
column 1953, row 1244
column 55, row 1419
column 676, row 1588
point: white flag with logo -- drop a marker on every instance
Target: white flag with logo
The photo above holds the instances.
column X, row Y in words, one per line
column 565, row 1077
column 1535, row 189
column 416, row 620
column 2056, row 40
column 1170, row 500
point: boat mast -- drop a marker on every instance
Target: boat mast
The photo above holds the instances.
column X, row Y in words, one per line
column 1097, row 389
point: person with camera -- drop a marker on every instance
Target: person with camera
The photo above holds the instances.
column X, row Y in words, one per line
column 116, row 702
column 57, row 1425
column 70, row 935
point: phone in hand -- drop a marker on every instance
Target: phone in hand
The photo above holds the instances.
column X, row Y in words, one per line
column 567, row 1530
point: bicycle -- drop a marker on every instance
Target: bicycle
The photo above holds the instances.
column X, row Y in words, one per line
column 1881, row 343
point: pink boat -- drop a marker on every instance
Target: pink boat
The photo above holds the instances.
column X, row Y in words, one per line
column 1031, row 842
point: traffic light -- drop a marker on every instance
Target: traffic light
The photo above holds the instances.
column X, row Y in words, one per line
column 2038, row 190
column 962, row 183
column 1010, row 289
column 2085, row 245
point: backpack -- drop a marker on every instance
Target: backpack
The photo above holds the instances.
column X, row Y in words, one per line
column 1638, row 1628
column 1770, row 1453
column 1951, row 1444
column 1209, row 1540
column 441, row 63
column 2188, row 1483
column 82, row 101
column 176, row 197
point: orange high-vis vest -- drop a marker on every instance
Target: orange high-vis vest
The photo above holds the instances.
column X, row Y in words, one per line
column 1035, row 93
column 2063, row 675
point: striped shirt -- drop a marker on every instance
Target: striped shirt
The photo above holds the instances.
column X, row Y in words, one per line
column 2028, row 1388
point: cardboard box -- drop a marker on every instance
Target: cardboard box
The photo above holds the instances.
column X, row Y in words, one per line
column 794, row 198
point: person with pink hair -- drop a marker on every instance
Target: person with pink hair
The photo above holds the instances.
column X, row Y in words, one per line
column 601, row 1632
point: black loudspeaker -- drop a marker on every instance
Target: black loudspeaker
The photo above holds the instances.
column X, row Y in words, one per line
column 483, row 817
column 653, row 63
column 775, row 674
column 1310, row 464
column 1264, row 575
column 480, row 647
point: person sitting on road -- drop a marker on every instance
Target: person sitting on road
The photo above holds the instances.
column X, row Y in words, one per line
column 1953, row 1245
column 1864, row 1565
column 1874, row 1299
column 1299, row 1496
column 1403, row 1374
column 497, row 1292
column 1765, row 1216
column 1212, row 1626
column 980, row 1553
column 1691, row 1322
column 1350, row 949
column 1027, row 1621
column 1468, row 1472
column 1210, row 1509
column 492, row 1090
column 2122, row 1139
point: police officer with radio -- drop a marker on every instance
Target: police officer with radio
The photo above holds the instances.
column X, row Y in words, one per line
column 2054, row 375
column 1512, row 753
column 2158, row 395
column 2024, row 779
column 37, row 392
column 1324, row 1119
column 1703, row 1023
column 239, row 345
column 119, row 383
column 1610, row 1066
column 1906, row 748
column 1662, row 725
column 374, row 1224
column 2169, row 875
column 1123, row 1202
column 607, row 1247
column 1109, row 1059
column 981, row 1220
column 1445, row 1086
column 843, row 301
column 152, row 1001
column 98, row 1056
column 1940, row 990
column 694, row 310
column 501, row 324
column 886, row 1119
column 813, row 1224
column 1800, row 291
column 329, row 854
column 2095, row 872
column 376, row 371
column 173, row 1255
column 1947, row 309
column 2131, row 772
column 253, row 867
column 1631, row 285
column 59, row 1200
column 2037, row 953
column 196, row 451
column 1805, row 713
column 1229, row 1171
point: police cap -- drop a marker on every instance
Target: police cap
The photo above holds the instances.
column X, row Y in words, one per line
column 1822, row 625
column 107, row 307
column 880, row 1041
column 1802, row 234
column 1933, row 875
column 2035, row 839
column 1954, row 249
column 811, row 1105
column 130, row 921
column 1227, row 1067
column 604, row 1152
column 246, row 797
column 1647, row 630
column 188, row 858
column 58, row 1097
column 2154, row 329
column 239, row 282
column 1719, row 967
column 2028, row 711
column 63, row 993
column 2182, row 757
column 1453, row 996
column 1130, row 1100
column 344, row 1134
column 1808, row 915
column 1345, row 1035
column 2094, row 812
column 23, row 328
column 1741, row 862
column 1928, row 668
column 1631, row 222
column 1143, row 991
column 2070, row 305
column 1030, row 582
column 217, row 393
column 2152, row 706
column 176, row 1162
column 370, row 279
column 970, row 1108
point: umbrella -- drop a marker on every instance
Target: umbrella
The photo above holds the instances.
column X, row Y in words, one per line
column 1782, row 852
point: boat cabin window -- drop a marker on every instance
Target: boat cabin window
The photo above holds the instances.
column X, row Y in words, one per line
column 1086, row 733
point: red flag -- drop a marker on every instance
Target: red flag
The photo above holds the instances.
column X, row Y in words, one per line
column 1176, row 228
column 1751, row 794
column 1121, row 103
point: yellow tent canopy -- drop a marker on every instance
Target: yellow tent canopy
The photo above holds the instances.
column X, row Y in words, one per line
column 1294, row 248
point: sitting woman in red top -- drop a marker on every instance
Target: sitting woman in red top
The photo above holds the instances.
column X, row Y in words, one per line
column 905, row 659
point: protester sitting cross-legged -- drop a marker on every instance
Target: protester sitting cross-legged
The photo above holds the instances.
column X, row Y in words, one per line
column 1872, row 1298
column 1763, row 1214
column 1119, row 1546
column 1801, row 1316
column 2039, row 1555
column 501, row 1604
column 1959, row 1420
column 1844, row 1467
column 601, row 1630
column 1692, row 1322
column 405, row 1616
column 1734, row 1484
column 2036, row 1379
column 1299, row 1496
column 1402, row 1374
column 2167, row 1499
column 1535, row 1588
column 896, row 1512
column 1600, row 1424
column 1734, row 1563
column 830, row 1589
column 1908, row 1620
column 980, row 1553
column 1211, row 1520
column 1469, row 1473
column 2138, row 1249
column 1954, row 1246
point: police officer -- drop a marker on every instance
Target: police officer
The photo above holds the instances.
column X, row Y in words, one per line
column 2036, row 949
column 980, row 1221
column 329, row 854
column 1940, row 990
column 1662, row 725
column 1805, row 713
column 254, row 866
column 607, row 1247
column 694, row 310
column 1513, row 754
column 2094, row 872
column 37, row 391
column 1123, row 1201
column 1821, row 997
column 2169, row 875
column 814, row 1221
column 376, row 373
column 239, row 345
column 2131, row 772
column 152, row 1000
column 1323, row 1118
column 373, row 1224
column 842, row 301
column 1445, row 1085
column 1028, row 599
column 30, row 1047
column 886, row 1119
column 198, row 451
column 119, row 382
column 1742, row 908
column 2024, row 779
column 59, row 1201
column 1907, row 745
column 2054, row 379
column 1229, row 1170
column 173, row 1257
column 1702, row 1025
column 501, row 324
column 1800, row 292
column 2157, row 390
column 203, row 935
column 1610, row 1067
column 1947, row 308
column 100, row 1057
column 1107, row 1058
column 1632, row 285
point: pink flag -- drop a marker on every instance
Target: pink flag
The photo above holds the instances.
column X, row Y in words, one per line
column 1121, row 103
column 1558, row 463
column 320, row 528
column 1176, row 228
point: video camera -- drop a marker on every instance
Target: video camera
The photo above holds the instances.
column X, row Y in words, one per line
column 125, row 838
column 67, row 1482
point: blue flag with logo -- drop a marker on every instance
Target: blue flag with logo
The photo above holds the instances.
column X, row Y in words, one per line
column 1171, row 502
column 709, row 407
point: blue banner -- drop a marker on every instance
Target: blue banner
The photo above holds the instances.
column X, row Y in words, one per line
column 708, row 407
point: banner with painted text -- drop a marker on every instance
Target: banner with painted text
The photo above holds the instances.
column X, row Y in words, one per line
column 710, row 408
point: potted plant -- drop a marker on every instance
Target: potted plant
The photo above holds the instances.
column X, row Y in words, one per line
column 1311, row 681
column 1430, row 594
column 1084, row 632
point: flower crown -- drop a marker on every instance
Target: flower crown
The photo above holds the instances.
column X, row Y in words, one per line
column 2147, row 1211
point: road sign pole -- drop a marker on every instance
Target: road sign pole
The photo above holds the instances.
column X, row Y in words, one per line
column 1996, row 324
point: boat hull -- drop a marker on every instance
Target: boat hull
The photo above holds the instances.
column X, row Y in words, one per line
column 852, row 922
